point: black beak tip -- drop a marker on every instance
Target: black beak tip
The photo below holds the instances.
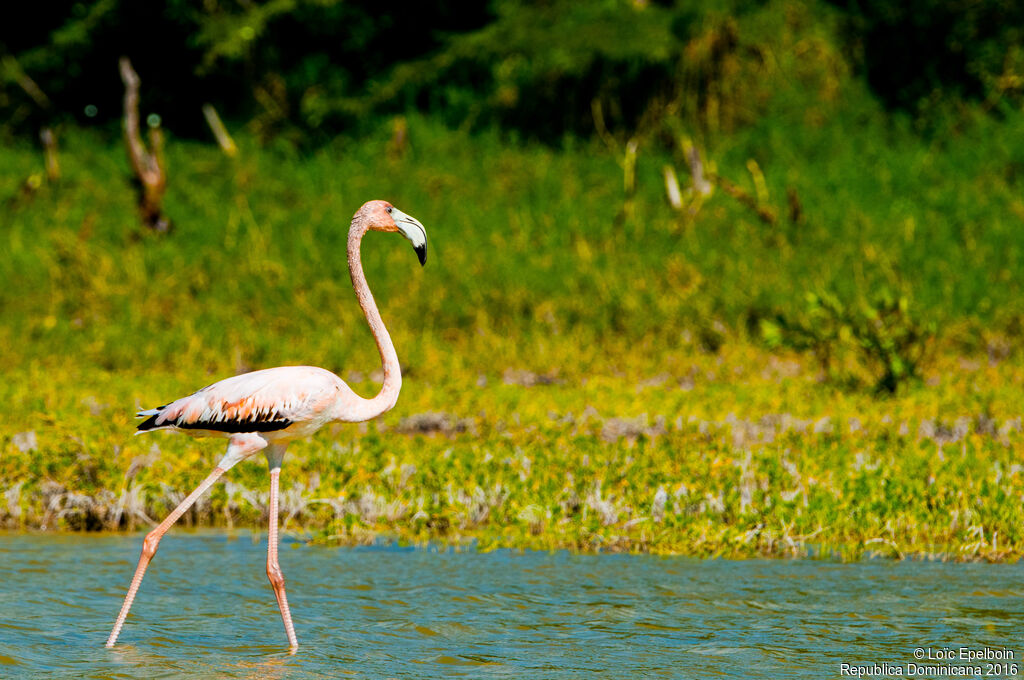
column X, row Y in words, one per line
column 421, row 252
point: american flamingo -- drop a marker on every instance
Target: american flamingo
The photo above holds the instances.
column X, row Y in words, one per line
column 265, row 410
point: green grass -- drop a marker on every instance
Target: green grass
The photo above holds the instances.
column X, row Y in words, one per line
column 573, row 356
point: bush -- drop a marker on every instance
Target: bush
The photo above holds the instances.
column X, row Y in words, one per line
column 889, row 341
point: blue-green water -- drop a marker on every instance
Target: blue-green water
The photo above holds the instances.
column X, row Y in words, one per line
column 207, row 610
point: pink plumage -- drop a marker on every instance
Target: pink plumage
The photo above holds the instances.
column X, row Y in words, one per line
column 265, row 410
column 272, row 401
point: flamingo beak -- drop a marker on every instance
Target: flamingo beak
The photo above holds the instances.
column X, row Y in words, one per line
column 413, row 231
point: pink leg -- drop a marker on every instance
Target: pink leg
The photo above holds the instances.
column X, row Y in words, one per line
column 149, row 546
column 239, row 447
column 273, row 568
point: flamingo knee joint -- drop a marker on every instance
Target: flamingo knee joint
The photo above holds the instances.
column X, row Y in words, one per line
column 275, row 575
column 150, row 544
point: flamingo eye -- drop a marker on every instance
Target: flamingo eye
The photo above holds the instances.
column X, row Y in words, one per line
column 388, row 209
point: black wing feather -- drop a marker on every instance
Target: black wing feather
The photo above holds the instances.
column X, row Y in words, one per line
column 269, row 422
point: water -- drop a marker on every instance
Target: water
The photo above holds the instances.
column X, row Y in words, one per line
column 206, row 610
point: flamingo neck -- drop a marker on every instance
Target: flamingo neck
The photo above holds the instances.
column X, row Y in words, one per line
column 388, row 395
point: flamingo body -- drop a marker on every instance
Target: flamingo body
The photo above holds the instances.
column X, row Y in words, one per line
column 281, row 404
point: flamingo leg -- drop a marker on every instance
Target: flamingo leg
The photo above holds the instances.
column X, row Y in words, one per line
column 238, row 448
column 149, row 546
column 274, row 572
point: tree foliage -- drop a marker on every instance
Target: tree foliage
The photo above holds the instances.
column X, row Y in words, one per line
column 301, row 66
column 918, row 52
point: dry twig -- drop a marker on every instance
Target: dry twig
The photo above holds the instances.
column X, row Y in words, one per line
column 224, row 140
column 147, row 165
column 49, row 141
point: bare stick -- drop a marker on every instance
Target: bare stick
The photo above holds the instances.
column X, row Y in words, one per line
column 224, row 140
column 796, row 211
column 147, row 167
column 50, row 152
column 760, row 185
column 18, row 75
column 763, row 213
column 137, row 155
column 701, row 186
column 629, row 177
column 675, row 196
column 597, row 111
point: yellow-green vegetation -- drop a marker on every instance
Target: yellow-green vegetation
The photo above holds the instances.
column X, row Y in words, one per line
column 576, row 375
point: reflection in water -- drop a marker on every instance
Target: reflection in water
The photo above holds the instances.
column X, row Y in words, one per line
column 207, row 610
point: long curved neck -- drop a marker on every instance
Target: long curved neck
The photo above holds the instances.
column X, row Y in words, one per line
column 388, row 394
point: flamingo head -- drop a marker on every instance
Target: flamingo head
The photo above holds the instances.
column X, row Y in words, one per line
column 382, row 216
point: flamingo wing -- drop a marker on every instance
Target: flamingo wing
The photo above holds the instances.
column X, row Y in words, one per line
column 261, row 401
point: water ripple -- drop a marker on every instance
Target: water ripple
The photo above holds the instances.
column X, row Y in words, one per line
column 206, row 610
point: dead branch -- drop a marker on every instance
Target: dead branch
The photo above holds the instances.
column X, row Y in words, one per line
column 701, row 186
column 49, row 141
column 597, row 111
column 675, row 196
column 224, row 140
column 149, row 171
column 629, row 179
column 142, row 163
column 11, row 69
column 796, row 211
column 760, row 185
column 629, row 167
column 765, row 214
column 692, row 198
column 17, row 74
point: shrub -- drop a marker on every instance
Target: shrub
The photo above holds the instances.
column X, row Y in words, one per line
column 887, row 339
